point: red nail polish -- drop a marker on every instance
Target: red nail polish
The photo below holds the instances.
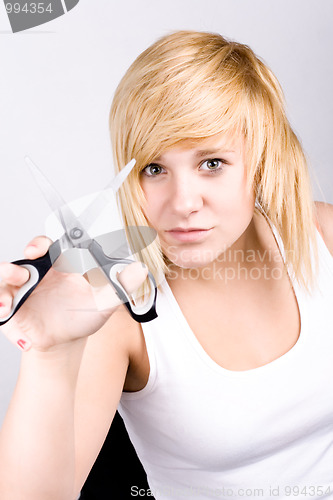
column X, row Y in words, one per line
column 21, row 343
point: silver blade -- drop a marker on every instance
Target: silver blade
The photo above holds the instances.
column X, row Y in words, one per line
column 51, row 195
column 58, row 205
column 121, row 176
column 90, row 214
column 116, row 245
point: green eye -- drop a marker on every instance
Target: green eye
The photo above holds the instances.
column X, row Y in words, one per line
column 214, row 164
column 152, row 170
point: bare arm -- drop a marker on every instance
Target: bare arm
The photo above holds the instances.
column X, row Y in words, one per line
column 68, row 388
column 60, row 413
column 36, row 441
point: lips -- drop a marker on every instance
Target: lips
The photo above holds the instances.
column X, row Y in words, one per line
column 188, row 234
column 187, row 229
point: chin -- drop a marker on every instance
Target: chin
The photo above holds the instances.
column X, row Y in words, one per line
column 191, row 259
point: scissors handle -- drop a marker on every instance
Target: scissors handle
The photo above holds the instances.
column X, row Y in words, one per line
column 37, row 269
column 110, row 266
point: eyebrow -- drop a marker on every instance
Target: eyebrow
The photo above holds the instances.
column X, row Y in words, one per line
column 207, row 152
column 201, row 153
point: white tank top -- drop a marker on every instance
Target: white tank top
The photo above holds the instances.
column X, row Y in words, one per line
column 204, row 432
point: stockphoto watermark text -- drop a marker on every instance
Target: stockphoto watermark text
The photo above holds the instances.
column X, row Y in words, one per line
column 299, row 491
column 227, row 265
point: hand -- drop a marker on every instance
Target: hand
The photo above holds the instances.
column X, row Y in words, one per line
column 63, row 307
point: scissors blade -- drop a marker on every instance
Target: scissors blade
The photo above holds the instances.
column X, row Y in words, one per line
column 52, row 196
column 121, row 176
column 67, row 217
column 115, row 244
column 90, row 214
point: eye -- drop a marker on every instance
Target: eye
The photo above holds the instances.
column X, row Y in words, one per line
column 152, row 170
column 213, row 165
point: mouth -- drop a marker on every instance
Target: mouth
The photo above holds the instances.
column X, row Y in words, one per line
column 189, row 234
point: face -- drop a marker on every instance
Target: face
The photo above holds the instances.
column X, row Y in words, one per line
column 198, row 200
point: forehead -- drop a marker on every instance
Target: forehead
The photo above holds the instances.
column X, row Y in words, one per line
column 220, row 143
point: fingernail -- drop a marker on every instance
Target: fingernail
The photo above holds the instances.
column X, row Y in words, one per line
column 2, row 304
column 23, row 344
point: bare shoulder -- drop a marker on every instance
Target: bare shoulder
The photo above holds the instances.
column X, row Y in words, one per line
column 115, row 346
column 324, row 222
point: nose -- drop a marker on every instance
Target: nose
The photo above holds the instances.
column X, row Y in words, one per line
column 186, row 195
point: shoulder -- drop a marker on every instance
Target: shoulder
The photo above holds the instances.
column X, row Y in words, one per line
column 110, row 349
column 109, row 353
column 324, row 222
column 120, row 334
column 123, row 337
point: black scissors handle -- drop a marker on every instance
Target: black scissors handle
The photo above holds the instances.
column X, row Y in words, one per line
column 110, row 266
column 37, row 269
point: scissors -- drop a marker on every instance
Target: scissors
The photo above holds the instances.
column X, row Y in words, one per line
column 85, row 252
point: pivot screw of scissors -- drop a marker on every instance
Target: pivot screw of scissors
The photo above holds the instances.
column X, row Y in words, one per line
column 76, row 233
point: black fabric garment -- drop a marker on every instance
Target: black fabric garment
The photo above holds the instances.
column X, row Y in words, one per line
column 117, row 473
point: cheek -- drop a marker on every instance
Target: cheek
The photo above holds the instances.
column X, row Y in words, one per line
column 235, row 209
column 233, row 199
column 153, row 207
column 240, row 210
column 243, row 218
column 242, row 194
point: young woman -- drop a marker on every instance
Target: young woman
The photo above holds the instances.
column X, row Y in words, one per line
column 227, row 393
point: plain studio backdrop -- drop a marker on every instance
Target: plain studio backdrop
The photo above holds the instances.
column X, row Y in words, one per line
column 58, row 79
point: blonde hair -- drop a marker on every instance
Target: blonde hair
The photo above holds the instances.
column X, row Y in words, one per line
column 194, row 85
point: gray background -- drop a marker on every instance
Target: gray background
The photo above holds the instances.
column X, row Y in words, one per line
column 57, row 82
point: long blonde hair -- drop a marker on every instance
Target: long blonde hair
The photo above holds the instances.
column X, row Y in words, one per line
column 193, row 85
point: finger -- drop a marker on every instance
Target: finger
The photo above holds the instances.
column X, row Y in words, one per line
column 37, row 247
column 13, row 334
column 130, row 278
column 14, row 275
column 5, row 304
column 22, row 342
column 133, row 276
column 104, row 295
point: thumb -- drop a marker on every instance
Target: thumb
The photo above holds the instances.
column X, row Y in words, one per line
column 133, row 276
column 37, row 247
column 105, row 297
